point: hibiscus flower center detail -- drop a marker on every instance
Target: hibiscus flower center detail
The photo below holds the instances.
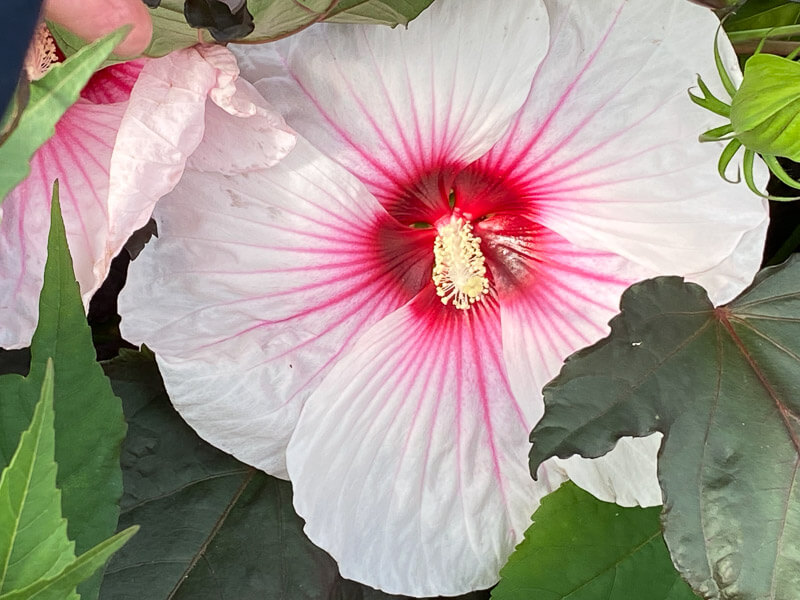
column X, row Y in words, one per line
column 459, row 271
column 482, row 226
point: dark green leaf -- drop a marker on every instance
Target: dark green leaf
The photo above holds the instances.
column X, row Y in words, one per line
column 211, row 527
column 763, row 14
column 50, row 97
column 89, row 423
column 721, row 384
column 583, row 549
column 383, row 12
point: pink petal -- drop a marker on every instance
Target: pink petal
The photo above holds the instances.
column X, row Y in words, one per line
column 389, row 104
column 78, row 156
column 607, row 143
column 120, row 148
column 556, row 299
column 256, row 285
column 165, row 123
column 409, row 462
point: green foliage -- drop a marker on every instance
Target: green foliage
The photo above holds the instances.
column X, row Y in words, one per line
column 755, row 19
column 89, row 425
column 762, row 117
column 37, row 559
column 765, row 111
column 721, row 384
column 583, row 549
column 211, row 527
column 33, row 534
column 275, row 19
column 49, row 99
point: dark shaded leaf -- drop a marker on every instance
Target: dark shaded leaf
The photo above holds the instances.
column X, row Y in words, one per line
column 88, row 421
column 211, row 527
column 763, row 14
column 722, row 385
column 583, row 549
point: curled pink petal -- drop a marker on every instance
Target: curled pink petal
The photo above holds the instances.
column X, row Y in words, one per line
column 121, row 147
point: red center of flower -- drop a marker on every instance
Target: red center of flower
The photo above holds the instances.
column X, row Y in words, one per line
column 469, row 230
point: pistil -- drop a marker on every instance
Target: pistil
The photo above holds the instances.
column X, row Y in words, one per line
column 459, row 270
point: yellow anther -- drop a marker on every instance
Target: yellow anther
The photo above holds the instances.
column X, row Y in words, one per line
column 459, row 271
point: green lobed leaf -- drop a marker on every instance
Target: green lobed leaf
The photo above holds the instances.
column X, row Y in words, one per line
column 33, row 534
column 581, row 548
column 50, row 97
column 88, row 417
column 765, row 111
column 721, row 384
column 211, row 527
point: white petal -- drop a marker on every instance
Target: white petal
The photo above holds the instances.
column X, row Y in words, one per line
column 556, row 299
column 409, row 462
column 255, row 286
column 164, row 124
column 607, row 143
column 626, row 475
column 388, row 104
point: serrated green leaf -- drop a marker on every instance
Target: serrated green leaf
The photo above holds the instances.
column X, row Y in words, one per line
column 50, row 97
column 765, row 111
column 378, row 12
column 88, row 417
column 721, row 384
column 580, row 548
column 33, row 534
column 60, row 586
column 211, row 527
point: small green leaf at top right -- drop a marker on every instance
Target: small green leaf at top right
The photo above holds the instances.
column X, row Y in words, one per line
column 722, row 384
column 763, row 115
column 581, row 548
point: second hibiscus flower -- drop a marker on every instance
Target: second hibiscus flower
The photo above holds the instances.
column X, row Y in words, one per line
column 376, row 315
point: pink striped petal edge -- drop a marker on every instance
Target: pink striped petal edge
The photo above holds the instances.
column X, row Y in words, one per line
column 121, row 147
